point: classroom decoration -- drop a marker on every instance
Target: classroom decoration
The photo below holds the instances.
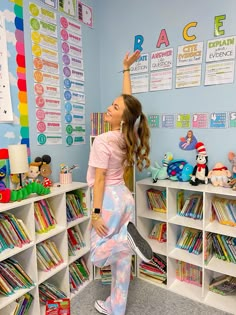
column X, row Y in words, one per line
column 160, row 172
column 219, row 175
column 8, row 195
column 179, row 170
column 188, row 142
column 232, row 159
column 200, row 170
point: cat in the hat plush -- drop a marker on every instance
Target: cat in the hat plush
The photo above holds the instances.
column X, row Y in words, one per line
column 200, row 170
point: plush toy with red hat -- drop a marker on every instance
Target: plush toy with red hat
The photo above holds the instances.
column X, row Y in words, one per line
column 200, row 171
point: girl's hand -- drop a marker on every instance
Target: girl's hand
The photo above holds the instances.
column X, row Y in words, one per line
column 129, row 60
column 100, row 227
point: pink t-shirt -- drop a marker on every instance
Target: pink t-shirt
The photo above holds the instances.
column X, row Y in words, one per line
column 106, row 153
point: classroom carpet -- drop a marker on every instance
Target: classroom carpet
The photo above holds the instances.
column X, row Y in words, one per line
column 143, row 299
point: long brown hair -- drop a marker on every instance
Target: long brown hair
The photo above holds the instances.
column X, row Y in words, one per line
column 136, row 134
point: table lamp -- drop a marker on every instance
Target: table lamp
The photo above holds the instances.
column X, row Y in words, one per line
column 18, row 159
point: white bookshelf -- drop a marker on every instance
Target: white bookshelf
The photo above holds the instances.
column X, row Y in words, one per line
column 175, row 224
column 26, row 255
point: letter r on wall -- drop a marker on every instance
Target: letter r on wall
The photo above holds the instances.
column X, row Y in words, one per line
column 138, row 41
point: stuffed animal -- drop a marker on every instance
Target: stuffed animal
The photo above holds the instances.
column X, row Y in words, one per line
column 33, row 172
column 232, row 159
column 219, row 175
column 179, row 170
column 160, row 172
column 200, row 170
column 45, row 169
column 3, row 173
column 8, row 195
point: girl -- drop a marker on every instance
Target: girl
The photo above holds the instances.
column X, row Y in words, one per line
column 114, row 236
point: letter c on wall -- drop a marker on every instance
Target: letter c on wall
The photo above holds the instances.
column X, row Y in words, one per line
column 185, row 31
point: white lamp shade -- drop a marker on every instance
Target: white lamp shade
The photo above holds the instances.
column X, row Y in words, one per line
column 18, row 158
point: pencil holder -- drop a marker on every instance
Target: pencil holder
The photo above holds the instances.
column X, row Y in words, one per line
column 65, row 178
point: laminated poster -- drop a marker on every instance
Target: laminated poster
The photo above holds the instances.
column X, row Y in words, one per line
column 6, row 114
column 232, row 119
column 218, row 120
column 153, row 121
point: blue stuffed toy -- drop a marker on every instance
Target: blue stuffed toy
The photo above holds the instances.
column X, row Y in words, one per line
column 179, row 170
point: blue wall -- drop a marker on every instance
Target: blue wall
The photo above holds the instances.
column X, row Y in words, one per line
column 77, row 154
column 120, row 21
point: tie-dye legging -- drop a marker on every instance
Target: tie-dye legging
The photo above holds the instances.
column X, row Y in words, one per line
column 117, row 210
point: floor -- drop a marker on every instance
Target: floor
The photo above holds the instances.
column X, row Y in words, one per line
column 143, row 299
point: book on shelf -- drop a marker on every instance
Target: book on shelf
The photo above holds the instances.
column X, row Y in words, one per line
column 73, row 207
column 188, row 273
column 42, row 263
column 156, row 269
column 44, row 217
column 156, row 200
column 192, row 207
column 23, row 304
column 48, row 212
column 78, row 274
column 20, row 270
column 208, row 249
column 5, row 286
column 81, row 199
column 98, row 124
column 3, row 243
column 190, row 239
column 224, row 247
column 48, row 291
column 158, row 232
column 13, row 277
column 224, row 285
column 8, row 232
column 75, row 239
column 83, row 267
column 224, row 211
column 48, row 255
column 179, row 200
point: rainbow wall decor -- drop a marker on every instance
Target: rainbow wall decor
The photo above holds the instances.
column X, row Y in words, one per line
column 21, row 73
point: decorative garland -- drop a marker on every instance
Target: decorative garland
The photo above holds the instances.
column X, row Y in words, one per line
column 8, row 195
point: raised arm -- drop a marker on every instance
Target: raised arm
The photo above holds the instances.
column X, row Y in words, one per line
column 127, row 62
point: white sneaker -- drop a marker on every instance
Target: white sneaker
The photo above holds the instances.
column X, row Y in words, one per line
column 100, row 307
column 138, row 244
